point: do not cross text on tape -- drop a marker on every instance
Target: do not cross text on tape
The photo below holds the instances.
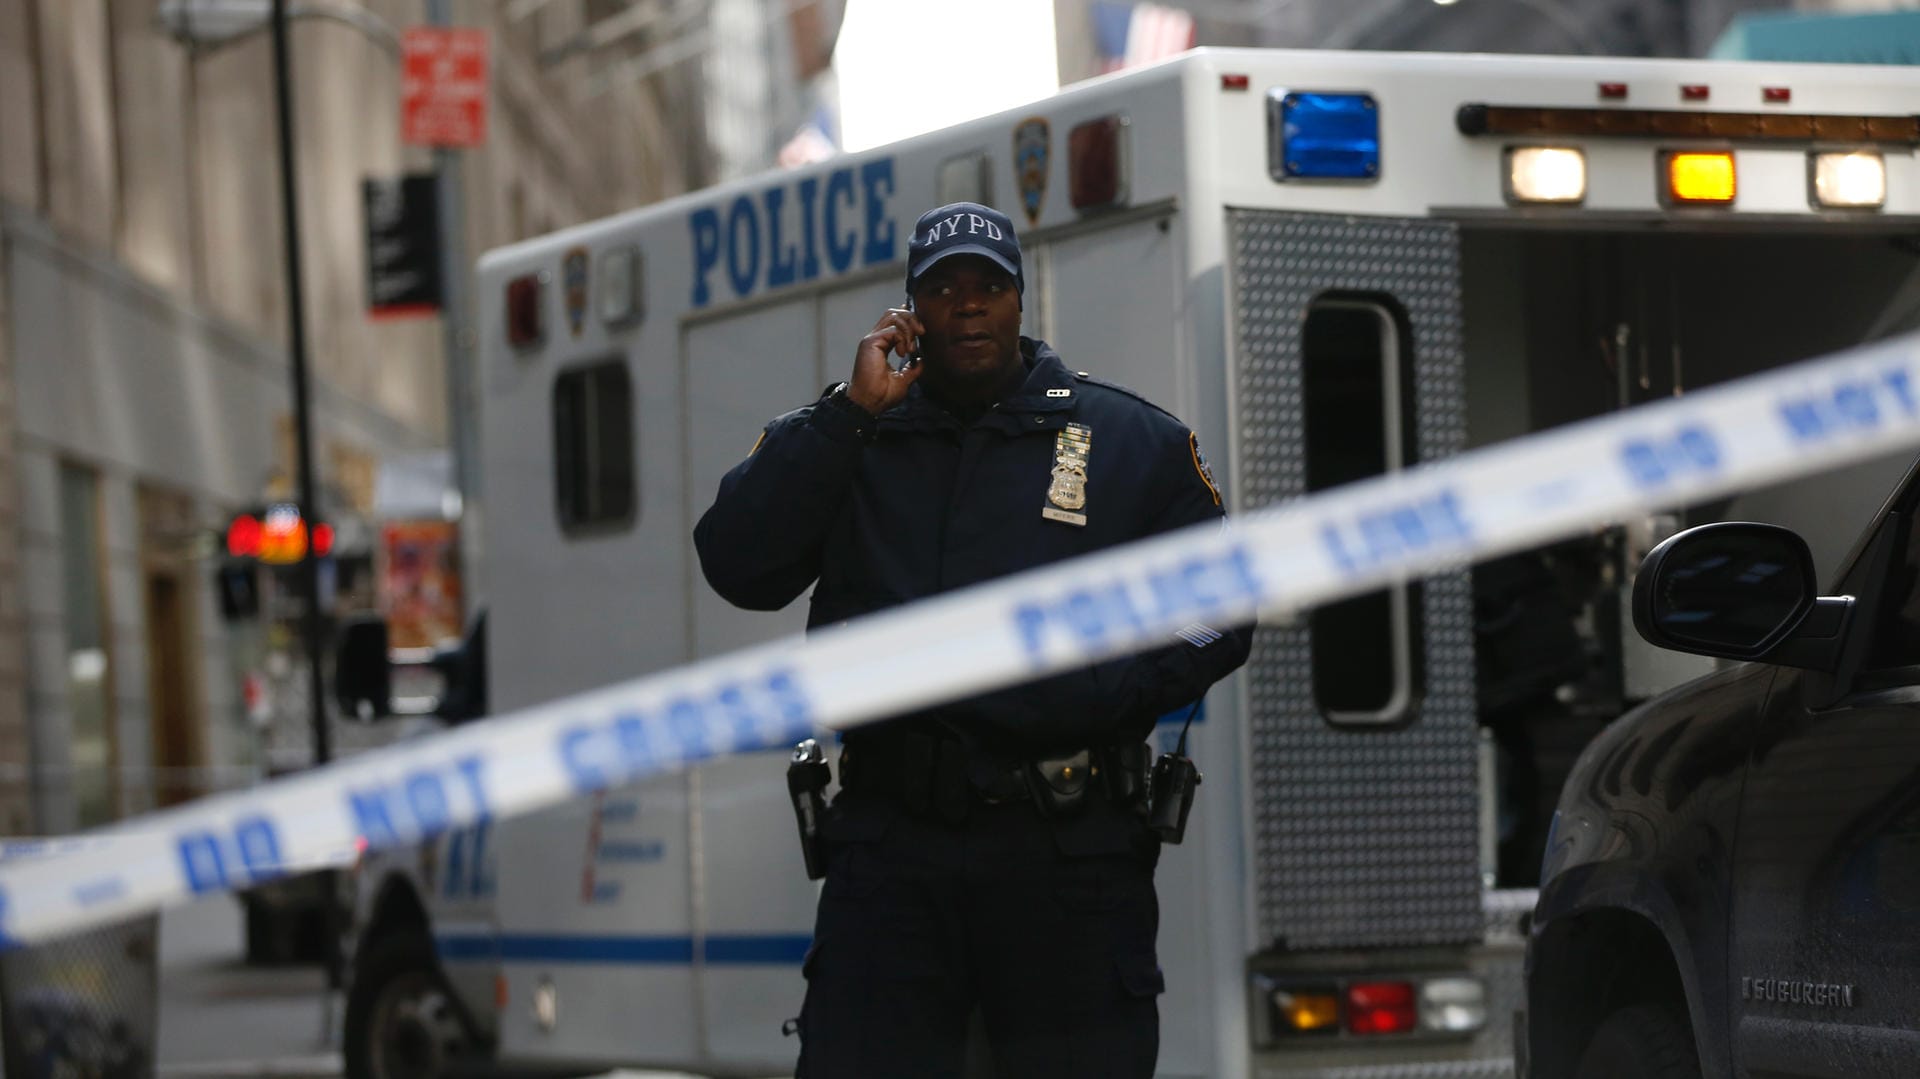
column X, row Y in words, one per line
column 1795, row 420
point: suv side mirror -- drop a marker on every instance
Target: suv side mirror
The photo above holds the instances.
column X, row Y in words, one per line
column 362, row 674
column 1737, row 590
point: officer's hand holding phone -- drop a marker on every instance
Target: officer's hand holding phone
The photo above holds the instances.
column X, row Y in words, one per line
column 876, row 386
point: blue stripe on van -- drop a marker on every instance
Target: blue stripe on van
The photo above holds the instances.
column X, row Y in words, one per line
column 730, row 950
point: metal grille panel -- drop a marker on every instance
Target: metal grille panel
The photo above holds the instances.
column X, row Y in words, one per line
column 1465, row 1069
column 1361, row 838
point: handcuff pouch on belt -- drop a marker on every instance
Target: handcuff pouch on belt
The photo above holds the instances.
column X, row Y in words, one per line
column 1060, row 785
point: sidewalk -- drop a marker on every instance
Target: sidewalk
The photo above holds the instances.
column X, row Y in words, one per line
column 220, row 1019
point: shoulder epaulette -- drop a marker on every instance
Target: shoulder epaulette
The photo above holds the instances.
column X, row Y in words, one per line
column 1083, row 376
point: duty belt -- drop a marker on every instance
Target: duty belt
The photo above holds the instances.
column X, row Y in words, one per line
column 934, row 776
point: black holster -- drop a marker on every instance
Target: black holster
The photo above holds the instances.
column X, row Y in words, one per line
column 807, row 778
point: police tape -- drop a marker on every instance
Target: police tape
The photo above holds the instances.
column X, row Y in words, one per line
column 1796, row 420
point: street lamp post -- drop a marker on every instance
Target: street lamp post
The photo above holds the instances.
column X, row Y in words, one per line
column 207, row 25
column 303, row 442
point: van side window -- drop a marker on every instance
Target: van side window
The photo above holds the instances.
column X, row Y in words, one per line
column 593, row 449
column 1357, row 384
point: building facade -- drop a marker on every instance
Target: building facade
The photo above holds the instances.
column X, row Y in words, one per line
column 144, row 393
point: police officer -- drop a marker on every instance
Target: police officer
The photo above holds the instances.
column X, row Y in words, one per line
column 991, row 853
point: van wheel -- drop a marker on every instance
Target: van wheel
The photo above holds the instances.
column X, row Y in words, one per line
column 401, row 1022
column 1646, row 1041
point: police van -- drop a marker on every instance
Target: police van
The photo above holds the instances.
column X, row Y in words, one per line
column 1330, row 265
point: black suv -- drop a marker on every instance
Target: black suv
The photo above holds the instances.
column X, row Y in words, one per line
column 1732, row 880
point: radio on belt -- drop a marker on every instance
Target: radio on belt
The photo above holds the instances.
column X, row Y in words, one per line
column 807, row 776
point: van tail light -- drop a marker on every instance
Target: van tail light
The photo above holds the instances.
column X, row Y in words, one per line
column 1381, row 1008
column 1453, row 1005
column 1429, row 1006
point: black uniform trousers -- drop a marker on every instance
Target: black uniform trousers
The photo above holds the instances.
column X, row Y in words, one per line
column 1047, row 927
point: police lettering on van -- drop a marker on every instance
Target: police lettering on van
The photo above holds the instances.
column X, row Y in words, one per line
column 794, row 233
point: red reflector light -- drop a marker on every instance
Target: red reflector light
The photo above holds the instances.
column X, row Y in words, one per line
column 1097, row 163
column 525, row 318
column 1695, row 92
column 323, row 539
column 1777, row 95
column 1234, row 82
column 1613, row 91
column 1381, row 1008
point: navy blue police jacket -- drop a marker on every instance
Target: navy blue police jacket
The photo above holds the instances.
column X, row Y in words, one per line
column 920, row 503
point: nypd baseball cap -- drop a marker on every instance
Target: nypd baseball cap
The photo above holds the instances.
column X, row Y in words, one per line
column 964, row 228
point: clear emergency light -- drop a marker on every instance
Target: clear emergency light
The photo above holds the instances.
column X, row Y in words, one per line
column 1699, row 178
column 620, row 286
column 966, row 178
column 1314, row 136
column 1546, row 174
column 1849, row 180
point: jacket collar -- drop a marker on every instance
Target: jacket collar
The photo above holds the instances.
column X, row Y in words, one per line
column 1045, row 372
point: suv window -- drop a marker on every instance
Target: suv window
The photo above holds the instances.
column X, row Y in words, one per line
column 1896, row 632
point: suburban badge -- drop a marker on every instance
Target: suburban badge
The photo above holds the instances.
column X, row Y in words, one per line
column 1794, row 991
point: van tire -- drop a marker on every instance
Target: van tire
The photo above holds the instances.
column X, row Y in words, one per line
column 401, row 1020
column 1647, row 1041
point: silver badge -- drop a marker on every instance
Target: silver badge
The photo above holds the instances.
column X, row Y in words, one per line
column 1067, row 493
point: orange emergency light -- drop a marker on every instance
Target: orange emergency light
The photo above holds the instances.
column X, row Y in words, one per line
column 1704, row 178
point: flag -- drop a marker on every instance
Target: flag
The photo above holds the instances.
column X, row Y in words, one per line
column 1128, row 35
column 814, row 141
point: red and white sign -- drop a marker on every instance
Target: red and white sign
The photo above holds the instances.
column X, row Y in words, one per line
column 443, row 86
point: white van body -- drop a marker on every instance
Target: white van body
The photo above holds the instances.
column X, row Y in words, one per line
column 665, row 925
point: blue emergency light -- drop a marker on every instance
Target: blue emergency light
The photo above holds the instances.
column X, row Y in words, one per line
column 1326, row 137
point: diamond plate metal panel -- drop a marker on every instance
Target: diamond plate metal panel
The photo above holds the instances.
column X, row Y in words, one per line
column 1361, row 837
column 1466, row 1069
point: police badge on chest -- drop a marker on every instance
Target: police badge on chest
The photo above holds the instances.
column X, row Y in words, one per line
column 1067, row 492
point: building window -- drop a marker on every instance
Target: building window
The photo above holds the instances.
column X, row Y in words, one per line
column 1357, row 379
column 90, row 710
column 593, row 449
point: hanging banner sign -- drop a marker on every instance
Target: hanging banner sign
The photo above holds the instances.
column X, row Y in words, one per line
column 443, row 86
column 403, row 246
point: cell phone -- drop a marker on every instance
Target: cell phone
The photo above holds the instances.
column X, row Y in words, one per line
column 913, row 358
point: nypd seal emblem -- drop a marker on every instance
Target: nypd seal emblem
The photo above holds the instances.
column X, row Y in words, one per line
column 1200, row 465
column 1032, row 146
column 573, row 281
